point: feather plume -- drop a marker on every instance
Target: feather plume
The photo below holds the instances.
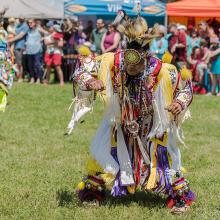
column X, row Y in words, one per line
column 135, row 29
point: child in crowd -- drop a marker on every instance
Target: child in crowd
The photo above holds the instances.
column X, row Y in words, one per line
column 198, row 61
column 202, row 62
column 195, row 40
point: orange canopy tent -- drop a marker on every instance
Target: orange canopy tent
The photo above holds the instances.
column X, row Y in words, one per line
column 182, row 10
column 194, row 8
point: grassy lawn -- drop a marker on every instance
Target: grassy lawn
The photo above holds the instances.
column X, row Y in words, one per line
column 40, row 167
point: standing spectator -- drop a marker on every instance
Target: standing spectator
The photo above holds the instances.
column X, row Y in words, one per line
column 70, row 41
column 198, row 60
column 88, row 30
column 215, row 65
column 202, row 65
column 73, row 38
column 213, row 22
column 203, row 31
column 97, row 35
column 11, row 34
column 33, row 51
column 11, row 28
column 159, row 45
column 212, row 34
column 183, row 29
column 21, row 31
column 81, row 36
column 73, row 34
column 177, row 46
column 110, row 40
column 53, row 55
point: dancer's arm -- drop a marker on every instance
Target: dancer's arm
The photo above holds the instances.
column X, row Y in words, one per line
column 85, row 80
column 184, row 94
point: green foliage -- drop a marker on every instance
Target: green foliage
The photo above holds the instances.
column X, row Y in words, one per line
column 40, row 166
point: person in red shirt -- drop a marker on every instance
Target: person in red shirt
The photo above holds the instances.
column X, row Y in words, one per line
column 53, row 55
column 177, row 45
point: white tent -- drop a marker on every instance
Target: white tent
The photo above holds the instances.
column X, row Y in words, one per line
column 33, row 8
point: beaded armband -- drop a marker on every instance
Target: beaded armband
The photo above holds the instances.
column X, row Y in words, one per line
column 183, row 99
column 83, row 79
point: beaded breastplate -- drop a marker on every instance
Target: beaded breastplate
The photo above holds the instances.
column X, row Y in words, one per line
column 135, row 94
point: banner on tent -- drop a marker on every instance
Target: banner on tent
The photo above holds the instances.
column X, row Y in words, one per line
column 92, row 7
column 111, row 7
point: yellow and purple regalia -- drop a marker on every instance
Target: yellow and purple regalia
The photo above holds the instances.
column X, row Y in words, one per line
column 136, row 145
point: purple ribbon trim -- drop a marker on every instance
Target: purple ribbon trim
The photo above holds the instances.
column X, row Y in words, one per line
column 117, row 189
column 191, row 196
column 163, row 165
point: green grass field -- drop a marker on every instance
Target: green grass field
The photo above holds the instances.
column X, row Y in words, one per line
column 40, row 167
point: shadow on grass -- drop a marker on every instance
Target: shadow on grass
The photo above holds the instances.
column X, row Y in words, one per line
column 64, row 197
column 143, row 199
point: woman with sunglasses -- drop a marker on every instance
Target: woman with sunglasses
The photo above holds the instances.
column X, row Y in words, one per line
column 110, row 40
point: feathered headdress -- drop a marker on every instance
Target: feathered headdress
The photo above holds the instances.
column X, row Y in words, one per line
column 135, row 30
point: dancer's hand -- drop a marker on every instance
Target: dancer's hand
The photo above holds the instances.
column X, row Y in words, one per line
column 175, row 108
column 96, row 85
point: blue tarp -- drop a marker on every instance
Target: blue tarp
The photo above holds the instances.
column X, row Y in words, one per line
column 110, row 7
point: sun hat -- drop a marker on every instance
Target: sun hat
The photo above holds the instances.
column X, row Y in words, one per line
column 57, row 28
column 50, row 24
column 11, row 20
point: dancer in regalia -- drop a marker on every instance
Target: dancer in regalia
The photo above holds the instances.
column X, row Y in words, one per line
column 146, row 99
column 7, row 69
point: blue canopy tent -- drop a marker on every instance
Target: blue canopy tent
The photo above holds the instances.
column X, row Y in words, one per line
column 149, row 8
column 152, row 10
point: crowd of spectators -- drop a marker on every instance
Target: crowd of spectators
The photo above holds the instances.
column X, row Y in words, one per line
column 198, row 49
column 40, row 47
